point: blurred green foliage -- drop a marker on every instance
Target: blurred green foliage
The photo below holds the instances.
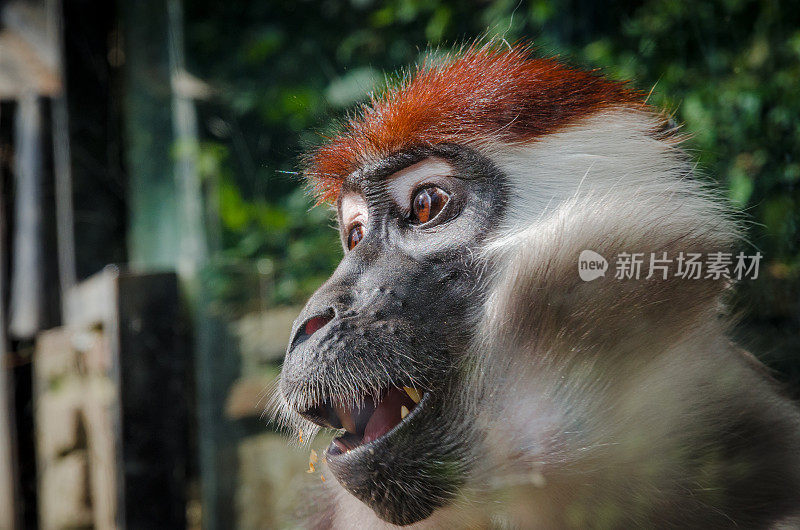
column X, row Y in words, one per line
column 284, row 70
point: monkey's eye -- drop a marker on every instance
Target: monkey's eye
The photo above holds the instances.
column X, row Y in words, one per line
column 427, row 204
column 355, row 236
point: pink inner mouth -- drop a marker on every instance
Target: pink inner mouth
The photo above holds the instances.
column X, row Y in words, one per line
column 369, row 422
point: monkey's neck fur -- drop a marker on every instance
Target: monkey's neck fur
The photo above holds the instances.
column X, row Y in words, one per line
column 612, row 403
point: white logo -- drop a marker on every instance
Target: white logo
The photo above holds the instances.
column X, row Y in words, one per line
column 591, row 265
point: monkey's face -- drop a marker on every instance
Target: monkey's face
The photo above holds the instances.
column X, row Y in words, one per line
column 377, row 349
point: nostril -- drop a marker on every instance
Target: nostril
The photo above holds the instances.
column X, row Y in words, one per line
column 311, row 326
column 316, row 323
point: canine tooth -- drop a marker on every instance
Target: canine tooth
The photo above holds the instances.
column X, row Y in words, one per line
column 346, row 418
column 403, row 411
column 413, row 393
column 322, row 478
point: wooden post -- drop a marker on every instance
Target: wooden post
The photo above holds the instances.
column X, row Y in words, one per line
column 8, row 502
column 167, row 226
column 113, row 402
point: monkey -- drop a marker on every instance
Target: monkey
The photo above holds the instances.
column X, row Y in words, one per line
column 472, row 377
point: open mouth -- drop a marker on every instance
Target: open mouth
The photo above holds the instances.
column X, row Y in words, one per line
column 367, row 422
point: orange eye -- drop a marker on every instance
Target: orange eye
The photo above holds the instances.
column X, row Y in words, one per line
column 355, row 236
column 427, row 204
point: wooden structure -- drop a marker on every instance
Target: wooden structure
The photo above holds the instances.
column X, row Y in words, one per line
column 29, row 70
column 112, row 416
column 98, row 165
column 96, row 382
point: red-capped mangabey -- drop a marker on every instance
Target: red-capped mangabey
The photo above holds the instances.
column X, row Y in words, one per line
column 477, row 379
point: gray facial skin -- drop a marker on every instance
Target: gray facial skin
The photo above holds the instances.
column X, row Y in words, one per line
column 399, row 311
